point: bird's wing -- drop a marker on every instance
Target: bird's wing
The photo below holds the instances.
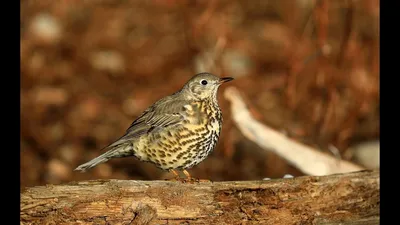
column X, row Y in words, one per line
column 164, row 113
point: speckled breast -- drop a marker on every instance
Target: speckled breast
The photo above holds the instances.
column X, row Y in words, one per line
column 187, row 144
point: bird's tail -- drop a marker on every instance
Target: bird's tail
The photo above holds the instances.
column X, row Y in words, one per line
column 115, row 152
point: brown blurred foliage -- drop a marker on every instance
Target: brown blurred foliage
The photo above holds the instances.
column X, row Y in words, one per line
column 309, row 68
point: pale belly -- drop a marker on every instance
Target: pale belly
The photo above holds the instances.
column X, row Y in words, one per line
column 180, row 147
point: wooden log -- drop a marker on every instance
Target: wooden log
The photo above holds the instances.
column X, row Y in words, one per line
column 350, row 198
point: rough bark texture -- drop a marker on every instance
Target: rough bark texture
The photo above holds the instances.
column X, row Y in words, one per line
column 351, row 198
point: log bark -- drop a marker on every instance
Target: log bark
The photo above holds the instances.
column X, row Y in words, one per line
column 350, row 198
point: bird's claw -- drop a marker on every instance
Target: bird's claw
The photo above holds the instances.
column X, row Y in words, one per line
column 189, row 180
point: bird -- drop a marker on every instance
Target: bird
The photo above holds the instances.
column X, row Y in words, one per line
column 177, row 132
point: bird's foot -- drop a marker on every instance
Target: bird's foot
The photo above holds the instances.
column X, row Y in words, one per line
column 192, row 180
column 188, row 180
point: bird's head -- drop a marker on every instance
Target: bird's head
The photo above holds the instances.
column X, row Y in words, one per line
column 205, row 85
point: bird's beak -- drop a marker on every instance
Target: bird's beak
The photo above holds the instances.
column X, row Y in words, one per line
column 225, row 79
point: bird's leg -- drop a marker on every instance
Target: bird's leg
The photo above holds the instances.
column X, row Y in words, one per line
column 188, row 177
column 187, row 174
column 191, row 179
column 175, row 173
column 177, row 177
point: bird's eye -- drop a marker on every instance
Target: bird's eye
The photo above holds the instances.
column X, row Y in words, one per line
column 203, row 82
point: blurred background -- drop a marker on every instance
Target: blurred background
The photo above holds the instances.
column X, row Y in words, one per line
column 307, row 68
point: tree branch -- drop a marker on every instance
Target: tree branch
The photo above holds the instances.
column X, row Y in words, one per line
column 309, row 160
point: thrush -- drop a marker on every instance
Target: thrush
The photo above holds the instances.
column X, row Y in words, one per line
column 175, row 133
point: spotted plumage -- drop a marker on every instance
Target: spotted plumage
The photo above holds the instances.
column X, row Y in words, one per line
column 177, row 132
